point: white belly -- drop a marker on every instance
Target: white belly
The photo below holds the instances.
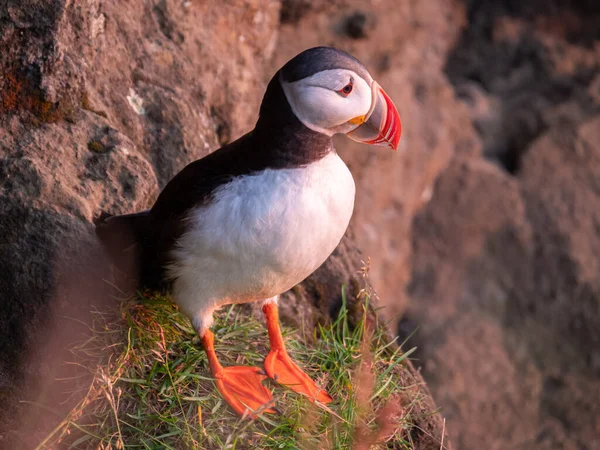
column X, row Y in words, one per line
column 262, row 235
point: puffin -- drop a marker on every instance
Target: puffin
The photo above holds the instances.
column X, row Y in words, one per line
column 254, row 218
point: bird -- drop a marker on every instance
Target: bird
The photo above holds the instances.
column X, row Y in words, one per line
column 254, row 218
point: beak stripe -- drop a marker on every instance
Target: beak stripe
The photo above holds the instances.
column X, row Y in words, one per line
column 391, row 125
column 382, row 124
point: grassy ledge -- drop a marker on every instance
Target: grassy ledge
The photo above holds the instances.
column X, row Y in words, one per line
column 152, row 388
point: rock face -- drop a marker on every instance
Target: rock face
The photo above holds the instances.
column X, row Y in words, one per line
column 505, row 291
column 504, row 285
column 101, row 103
column 483, row 231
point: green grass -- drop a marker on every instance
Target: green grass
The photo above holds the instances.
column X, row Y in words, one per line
column 152, row 388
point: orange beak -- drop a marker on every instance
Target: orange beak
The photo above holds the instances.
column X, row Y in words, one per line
column 382, row 124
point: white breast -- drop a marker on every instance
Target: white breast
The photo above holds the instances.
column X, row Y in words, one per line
column 262, row 234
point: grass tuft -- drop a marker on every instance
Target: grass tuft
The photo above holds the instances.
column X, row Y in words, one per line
column 152, row 388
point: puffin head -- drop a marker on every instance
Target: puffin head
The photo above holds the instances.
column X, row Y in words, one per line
column 331, row 92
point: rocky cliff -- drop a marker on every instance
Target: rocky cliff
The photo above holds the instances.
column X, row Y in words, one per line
column 482, row 232
column 101, row 103
column 505, row 260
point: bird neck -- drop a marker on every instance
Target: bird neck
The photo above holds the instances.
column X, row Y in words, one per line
column 278, row 130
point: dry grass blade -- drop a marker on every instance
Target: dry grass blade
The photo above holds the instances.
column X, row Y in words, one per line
column 153, row 389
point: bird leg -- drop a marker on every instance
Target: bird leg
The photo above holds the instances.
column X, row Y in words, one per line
column 280, row 367
column 240, row 386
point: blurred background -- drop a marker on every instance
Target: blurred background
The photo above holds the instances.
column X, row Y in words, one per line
column 483, row 231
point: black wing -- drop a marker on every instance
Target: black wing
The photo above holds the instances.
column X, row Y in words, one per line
column 194, row 185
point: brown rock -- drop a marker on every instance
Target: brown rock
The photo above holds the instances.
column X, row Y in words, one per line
column 504, row 285
column 505, row 292
column 535, row 61
column 101, row 103
column 469, row 243
column 565, row 212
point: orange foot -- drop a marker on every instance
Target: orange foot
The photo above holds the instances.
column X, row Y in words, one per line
column 280, row 367
column 240, row 386
column 284, row 370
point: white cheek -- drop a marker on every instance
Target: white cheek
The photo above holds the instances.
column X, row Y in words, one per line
column 320, row 108
column 359, row 101
column 325, row 108
column 315, row 105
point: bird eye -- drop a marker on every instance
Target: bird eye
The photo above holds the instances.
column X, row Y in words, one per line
column 346, row 90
